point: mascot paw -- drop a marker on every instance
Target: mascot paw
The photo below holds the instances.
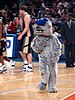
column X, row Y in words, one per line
column 42, row 86
column 55, row 59
column 52, row 90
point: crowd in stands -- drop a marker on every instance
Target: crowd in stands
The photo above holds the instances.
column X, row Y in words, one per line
column 55, row 10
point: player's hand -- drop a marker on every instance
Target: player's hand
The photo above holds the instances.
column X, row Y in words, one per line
column 19, row 37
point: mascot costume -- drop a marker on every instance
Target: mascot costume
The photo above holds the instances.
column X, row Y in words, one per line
column 48, row 48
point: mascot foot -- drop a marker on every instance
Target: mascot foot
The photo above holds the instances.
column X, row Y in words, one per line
column 42, row 86
column 52, row 90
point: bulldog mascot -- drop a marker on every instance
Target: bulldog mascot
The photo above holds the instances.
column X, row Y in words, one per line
column 48, row 48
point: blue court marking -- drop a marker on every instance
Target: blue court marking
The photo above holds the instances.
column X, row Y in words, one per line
column 18, row 90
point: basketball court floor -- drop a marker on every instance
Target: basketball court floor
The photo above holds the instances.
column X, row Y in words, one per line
column 20, row 85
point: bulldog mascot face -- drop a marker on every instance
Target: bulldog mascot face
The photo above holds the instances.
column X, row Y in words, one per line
column 49, row 49
column 43, row 32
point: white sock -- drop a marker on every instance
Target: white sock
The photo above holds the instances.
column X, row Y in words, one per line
column 25, row 62
column 30, row 65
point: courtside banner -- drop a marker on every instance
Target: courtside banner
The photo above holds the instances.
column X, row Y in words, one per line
column 9, row 47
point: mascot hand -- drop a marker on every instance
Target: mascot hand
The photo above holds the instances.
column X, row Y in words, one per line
column 55, row 59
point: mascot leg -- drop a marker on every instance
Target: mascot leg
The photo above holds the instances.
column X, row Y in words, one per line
column 43, row 72
column 48, row 71
column 52, row 78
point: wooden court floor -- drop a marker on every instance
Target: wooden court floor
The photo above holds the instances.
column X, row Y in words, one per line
column 23, row 85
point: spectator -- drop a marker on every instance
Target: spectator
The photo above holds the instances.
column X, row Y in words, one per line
column 62, row 18
column 61, row 10
column 12, row 27
column 73, row 13
column 71, row 5
column 57, row 23
column 68, row 36
column 62, row 2
column 49, row 16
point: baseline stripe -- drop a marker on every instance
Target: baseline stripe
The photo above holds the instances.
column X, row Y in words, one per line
column 70, row 97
